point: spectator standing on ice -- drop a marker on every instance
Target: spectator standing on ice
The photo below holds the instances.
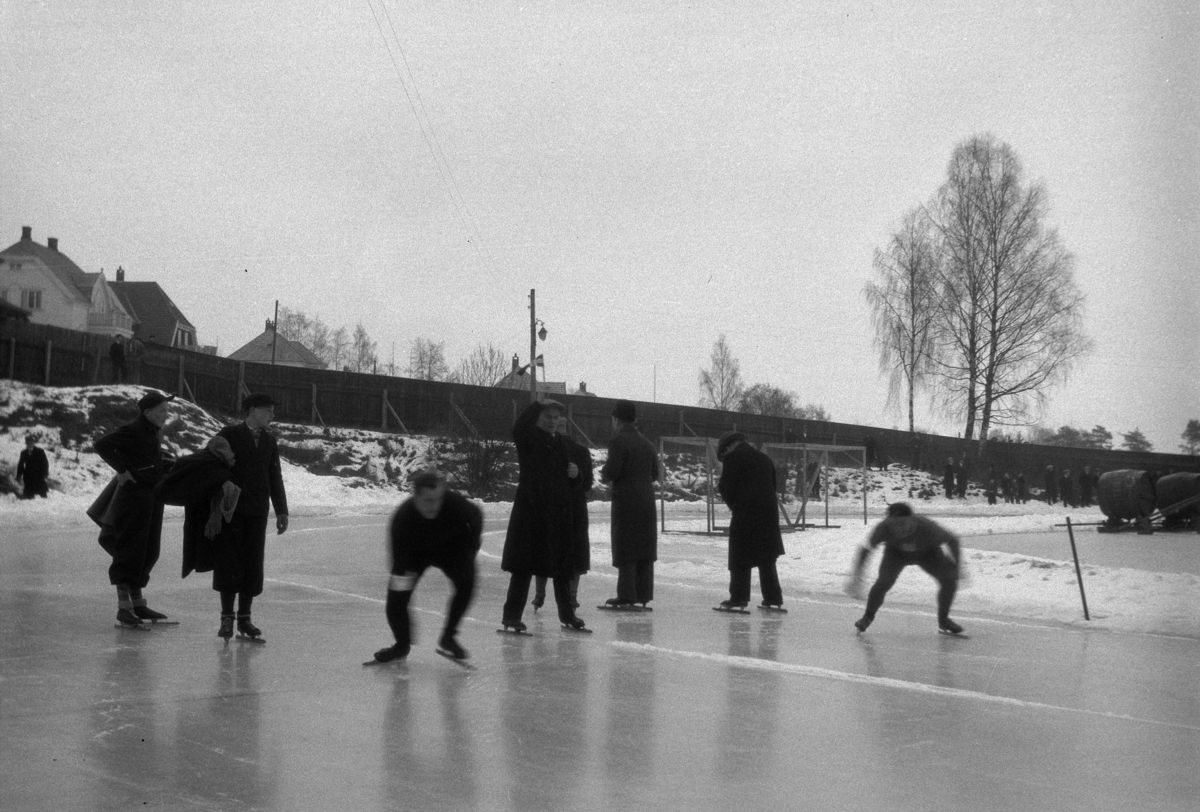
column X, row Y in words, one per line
column 909, row 539
column 1051, row 485
column 962, row 478
column 538, row 541
column 1066, row 488
column 435, row 527
column 240, row 549
column 632, row 469
column 131, row 528
column 32, row 469
column 747, row 485
column 949, row 477
column 581, row 545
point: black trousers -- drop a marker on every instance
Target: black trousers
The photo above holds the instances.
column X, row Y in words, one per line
column 238, row 553
column 768, row 581
column 135, row 539
column 518, row 596
column 936, row 563
column 635, row 580
column 462, row 577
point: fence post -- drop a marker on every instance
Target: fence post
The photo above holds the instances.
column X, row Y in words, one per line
column 312, row 418
column 12, row 358
column 383, row 409
column 96, row 369
column 179, row 384
column 241, row 386
column 49, row 353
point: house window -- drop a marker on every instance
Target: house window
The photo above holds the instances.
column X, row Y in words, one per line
column 31, row 299
column 16, row 266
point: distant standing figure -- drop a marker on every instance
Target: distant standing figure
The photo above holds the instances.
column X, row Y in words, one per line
column 747, row 485
column 32, row 469
column 580, row 538
column 632, row 469
column 239, row 551
column 435, row 527
column 1022, row 488
column 1066, row 488
column 133, row 357
column 991, row 486
column 116, row 355
column 962, row 478
column 1086, row 487
column 1051, row 484
column 949, row 477
column 909, row 539
column 538, row 540
column 131, row 531
column 1006, row 488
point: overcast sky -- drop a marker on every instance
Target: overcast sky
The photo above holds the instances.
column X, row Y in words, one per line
column 660, row 173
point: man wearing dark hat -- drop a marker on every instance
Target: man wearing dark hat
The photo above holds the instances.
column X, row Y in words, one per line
column 632, row 469
column 747, row 485
column 436, row 527
column 239, row 550
column 132, row 528
column 538, row 539
column 32, row 469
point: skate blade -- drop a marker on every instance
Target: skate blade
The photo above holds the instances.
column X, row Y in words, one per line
column 958, row 635
column 773, row 610
column 163, row 622
column 730, row 610
column 260, row 640
column 608, row 607
column 577, row 630
column 397, row 661
column 140, row 627
column 509, row 630
column 455, row 660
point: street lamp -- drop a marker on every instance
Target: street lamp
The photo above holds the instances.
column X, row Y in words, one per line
column 534, row 334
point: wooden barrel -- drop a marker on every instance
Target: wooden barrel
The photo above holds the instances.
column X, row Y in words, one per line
column 1174, row 488
column 1125, row 494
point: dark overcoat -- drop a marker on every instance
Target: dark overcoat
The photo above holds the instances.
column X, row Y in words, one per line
column 539, row 527
column 632, row 469
column 134, row 515
column 580, row 539
column 32, row 468
column 747, row 485
column 257, row 471
column 193, row 482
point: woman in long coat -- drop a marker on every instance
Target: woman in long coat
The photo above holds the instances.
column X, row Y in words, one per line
column 580, row 539
column 747, row 485
column 539, row 527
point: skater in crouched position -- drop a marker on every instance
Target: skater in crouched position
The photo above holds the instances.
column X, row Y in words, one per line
column 909, row 539
column 747, row 485
column 435, row 527
column 239, row 549
column 129, row 513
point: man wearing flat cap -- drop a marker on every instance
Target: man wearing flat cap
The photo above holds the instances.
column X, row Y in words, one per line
column 747, row 485
column 632, row 469
column 239, row 550
column 131, row 527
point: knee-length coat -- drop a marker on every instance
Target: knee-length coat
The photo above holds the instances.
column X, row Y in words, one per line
column 747, row 485
column 580, row 539
column 539, row 527
column 632, row 468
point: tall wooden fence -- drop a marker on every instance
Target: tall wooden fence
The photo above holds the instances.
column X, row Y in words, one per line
column 54, row 356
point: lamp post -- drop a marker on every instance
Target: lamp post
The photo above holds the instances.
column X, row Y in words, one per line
column 534, row 335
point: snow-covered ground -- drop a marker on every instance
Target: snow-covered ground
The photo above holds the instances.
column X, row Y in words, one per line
column 363, row 472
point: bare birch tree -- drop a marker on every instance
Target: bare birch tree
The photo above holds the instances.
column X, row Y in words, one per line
column 427, row 360
column 484, row 366
column 721, row 384
column 339, row 345
column 1009, row 313
column 362, row 351
column 903, row 312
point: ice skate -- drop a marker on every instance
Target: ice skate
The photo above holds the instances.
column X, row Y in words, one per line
column 948, row 626
column 576, row 625
column 538, row 602
column 619, row 605
column 392, row 654
column 248, row 631
column 155, row 618
column 773, row 607
column 512, row 627
column 449, row 648
column 863, row 622
column 226, row 629
column 737, row 607
column 126, row 619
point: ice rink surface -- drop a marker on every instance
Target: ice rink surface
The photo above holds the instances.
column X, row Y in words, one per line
column 679, row 709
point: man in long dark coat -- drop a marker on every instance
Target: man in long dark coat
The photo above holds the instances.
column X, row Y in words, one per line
column 538, row 541
column 131, row 530
column 32, row 469
column 580, row 538
column 747, row 485
column 1051, row 485
column 632, row 469
column 239, row 551
column 948, row 478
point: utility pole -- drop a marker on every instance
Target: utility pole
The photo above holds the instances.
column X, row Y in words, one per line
column 275, row 332
column 532, row 345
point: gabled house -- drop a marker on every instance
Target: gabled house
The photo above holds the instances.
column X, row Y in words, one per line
column 286, row 353
column 156, row 319
column 518, row 378
column 44, row 281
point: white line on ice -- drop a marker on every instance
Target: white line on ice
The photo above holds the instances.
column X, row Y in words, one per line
column 886, row 682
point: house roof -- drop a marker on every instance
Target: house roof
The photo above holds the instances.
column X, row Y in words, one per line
column 517, row 380
column 287, row 353
column 71, row 275
column 11, row 311
column 151, row 309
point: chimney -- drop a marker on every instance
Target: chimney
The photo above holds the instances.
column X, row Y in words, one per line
column 52, row 243
column 26, row 233
column 268, row 327
column 582, row 386
column 120, row 274
column 516, row 362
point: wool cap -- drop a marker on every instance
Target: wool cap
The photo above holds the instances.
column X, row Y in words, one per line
column 728, row 439
column 625, row 411
column 151, row 399
column 256, row 400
